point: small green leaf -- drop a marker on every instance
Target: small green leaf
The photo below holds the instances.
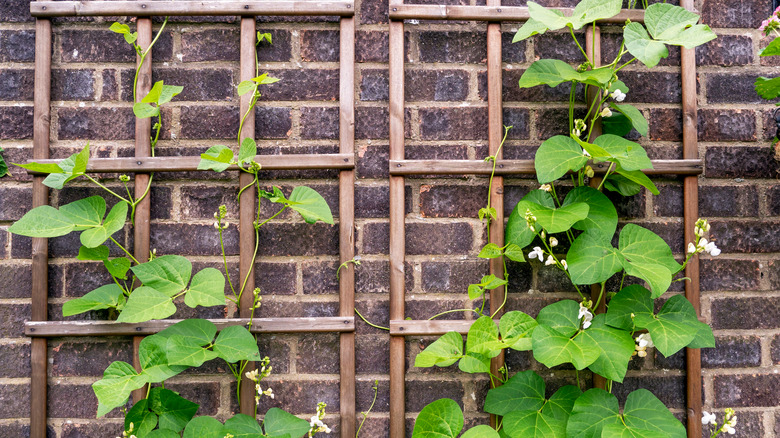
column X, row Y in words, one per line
column 98, row 253
column 633, row 299
column 592, row 411
column 144, row 110
column 490, row 251
column 180, row 351
column 145, row 304
column 142, row 420
column 163, row 433
column 602, row 216
column 553, row 72
column 85, row 213
column 196, row 331
column 265, row 79
column 278, row 422
column 643, row 411
column 115, row 221
column 41, row 167
column 483, row 338
column 558, row 220
column 246, row 87
column 204, row 427
column 441, row 419
column 113, row 390
column 168, row 92
column 638, row 120
column 530, row 28
column 244, row 426
column 643, row 248
column 104, row 297
column 673, row 328
column 444, row 352
column 772, row 49
column 552, row 348
column 130, row 38
column 43, row 221
column 153, row 357
column 615, row 349
column 72, row 167
column 620, row 184
column 553, row 19
column 556, row 156
column 119, row 28
column 592, row 259
column 264, row 36
column 118, row 267
column 207, row 289
column 514, row 253
column 638, row 177
column 533, row 424
column 630, row 155
column 562, row 316
column 217, row 158
column 644, row 48
column 516, row 328
column 174, row 410
column 168, row 274
column 589, row 11
column 154, row 94
column 616, row 124
column 665, row 20
column 310, row 205
column 247, row 151
column 235, row 343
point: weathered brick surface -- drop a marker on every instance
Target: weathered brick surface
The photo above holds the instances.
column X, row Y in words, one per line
column 747, row 390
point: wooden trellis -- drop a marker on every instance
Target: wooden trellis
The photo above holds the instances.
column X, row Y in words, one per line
column 493, row 13
column 39, row 328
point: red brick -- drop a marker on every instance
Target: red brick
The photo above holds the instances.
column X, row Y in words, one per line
column 371, row 46
column 16, row 122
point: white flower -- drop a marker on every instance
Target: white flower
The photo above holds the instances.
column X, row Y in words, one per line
column 584, row 152
column 546, row 187
column 606, row 112
column 536, row 253
column 550, row 260
column 618, row 95
column 711, row 249
column 644, row 340
column 553, row 242
column 691, row 248
column 576, row 132
column 585, row 316
column 730, row 430
column 565, row 266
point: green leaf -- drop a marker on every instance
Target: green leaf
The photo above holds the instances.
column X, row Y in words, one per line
column 235, row 343
column 153, row 357
column 265, row 79
column 168, row 274
column 643, row 411
column 244, row 426
column 247, row 151
column 142, row 420
column 41, row 167
column 704, row 336
column 310, row 205
column 278, row 422
column 246, row 87
column 668, row 24
column 530, row 28
column 615, row 349
column 180, row 351
column 487, row 282
column 637, row 177
column 119, row 28
column 523, row 391
column 638, row 120
column 474, row 363
column 71, row 168
column 43, row 221
column 113, row 390
column 602, row 216
column 552, row 348
column 98, row 253
column 144, row 110
column 562, row 316
column 644, row 48
column 130, row 38
column 85, row 213
column 441, row 418
column 517, row 231
column 768, row 88
column 174, row 410
column 592, row 411
column 207, row 289
column 772, row 49
column 562, row 402
column 558, row 220
column 616, row 124
column 588, row 11
column 3, row 165
column 204, row 427
column 163, row 433
column 643, row 247
column 516, row 328
column 533, row 424
column 555, row 157
column 514, row 253
column 217, row 158
column 631, row 299
column 665, row 21
column 592, row 259
column 481, row 431
column 117, row 267
column 115, row 221
column 620, row 184
column 196, row 331
column 490, row 251
column 553, row 72
column 551, row 18
column 145, row 304
column 674, row 327
column 104, row 297
column 443, row 352
column 658, row 277
column 154, row 94
column 483, row 337
column 630, row 155
column 168, row 92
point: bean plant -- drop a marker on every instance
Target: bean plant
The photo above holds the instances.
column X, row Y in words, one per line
column 571, row 210
column 143, row 291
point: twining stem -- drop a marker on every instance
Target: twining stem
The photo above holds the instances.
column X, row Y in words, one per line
column 125, row 250
column 452, row 311
column 571, row 30
column 143, row 56
column 365, row 414
column 369, row 322
column 493, row 174
column 122, row 198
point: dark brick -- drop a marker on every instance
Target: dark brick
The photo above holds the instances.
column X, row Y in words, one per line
column 303, row 84
column 318, row 354
column 319, row 45
column 733, row 352
column 453, row 123
column 280, row 50
column 436, row 85
column 451, row 277
column 775, row 350
column 520, row 278
column 372, row 202
column 670, row 390
column 177, row 239
column 320, row 278
column 550, row 122
column 365, row 396
column 96, row 123
column 15, row 401
column 725, row 201
column 752, row 236
column 370, row 46
column 16, row 84
column 15, row 360
column 14, row 11
column 84, row 277
column 73, row 85
column 460, row 47
column 451, row 201
column 201, row 202
column 277, row 350
column 444, row 238
column 421, row 393
column 60, row 403
column 301, row 398
column 665, row 124
column 372, row 122
column 519, row 120
column 729, row 275
column 17, row 45
column 739, row 162
column 628, row 207
column 746, row 313
column 87, row 358
column 733, row 13
column 283, row 239
column 773, row 272
column 4, row 236
column 512, row 52
column 732, row 88
column 375, row 311
column 210, row 45
column 773, row 200
column 14, row 203
column 374, row 85
column 199, row 84
column 727, row 125
column 209, row 122
column 752, row 390
column 87, row 430
column 16, row 122
column 272, row 122
column 110, row 87
column 652, row 87
column 552, row 279
column 14, row 316
column 107, row 46
column 372, row 354
column 726, row 51
column 320, row 123
column 559, row 46
column 207, row 395
column 372, row 12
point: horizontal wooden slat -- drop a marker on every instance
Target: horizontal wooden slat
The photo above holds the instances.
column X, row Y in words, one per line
column 182, row 164
column 523, row 167
column 489, row 13
column 426, row 327
column 260, row 325
column 148, row 8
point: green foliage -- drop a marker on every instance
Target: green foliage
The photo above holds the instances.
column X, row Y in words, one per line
column 3, row 165
column 104, row 297
column 278, row 423
column 556, row 156
column 486, row 283
column 310, row 205
column 119, row 380
column 62, row 172
column 553, row 72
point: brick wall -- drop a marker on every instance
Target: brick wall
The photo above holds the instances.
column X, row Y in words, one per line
column 446, row 118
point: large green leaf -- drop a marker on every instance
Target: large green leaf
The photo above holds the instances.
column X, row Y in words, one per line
column 516, row 328
column 247, row 151
column 772, row 49
column 648, row 256
column 204, row 427
column 163, row 433
column 174, row 411
column 278, row 422
column 441, row 419
column 217, row 158
column 558, row 220
column 638, row 177
column 168, row 274
column 141, row 419
column 556, row 156
column 153, row 357
column 561, row 403
column 768, row 88
column 553, row 72
column 616, row 124
column 196, row 331
column 113, row 390
column 443, row 352
column 207, row 289
column 180, row 351
column 145, row 304
column 517, row 231
column 235, row 343
column 633, row 299
column 85, row 213
column 658, row 277
column 553, row 348
column 561, row 316
column 483, row 337
column 665, row 21
column 310, row 205
column 630, row 155
column 592, row 259
column 43, row 221
column 104, row 297
column 638, row 120
column 602, row 216
column 644, row 412
column 533, row 424
column 474, row 363
column 644, row 48
column 615, row 348
column 114, row 222
column 674, row 327
column 588, row 11
column 244, row 426
column 143, row 110
column 592, row 411
column 530, row 28
column 98, row 253
column 481, row 431
column 117, row 267
column 620, row 184
column 523, row 391
column 552, row 19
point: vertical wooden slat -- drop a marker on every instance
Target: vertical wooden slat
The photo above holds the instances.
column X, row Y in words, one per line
column 247, row 205
column 397, row 230
column 143, row 148
column 347, row 224
column 40, row 248
column 495, row 135
column 691, row 213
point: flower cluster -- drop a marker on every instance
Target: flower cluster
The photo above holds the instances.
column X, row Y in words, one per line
column 129, row 432
column 259, row 374
column 702, row 244
column 538, row 253
column 643, row 342
column 770, row 23
column 530, row 219
column 579, row 127
column 585, row 315
column 729, row 422
column 618, row 95
column 219, row 215
column 316, row 421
